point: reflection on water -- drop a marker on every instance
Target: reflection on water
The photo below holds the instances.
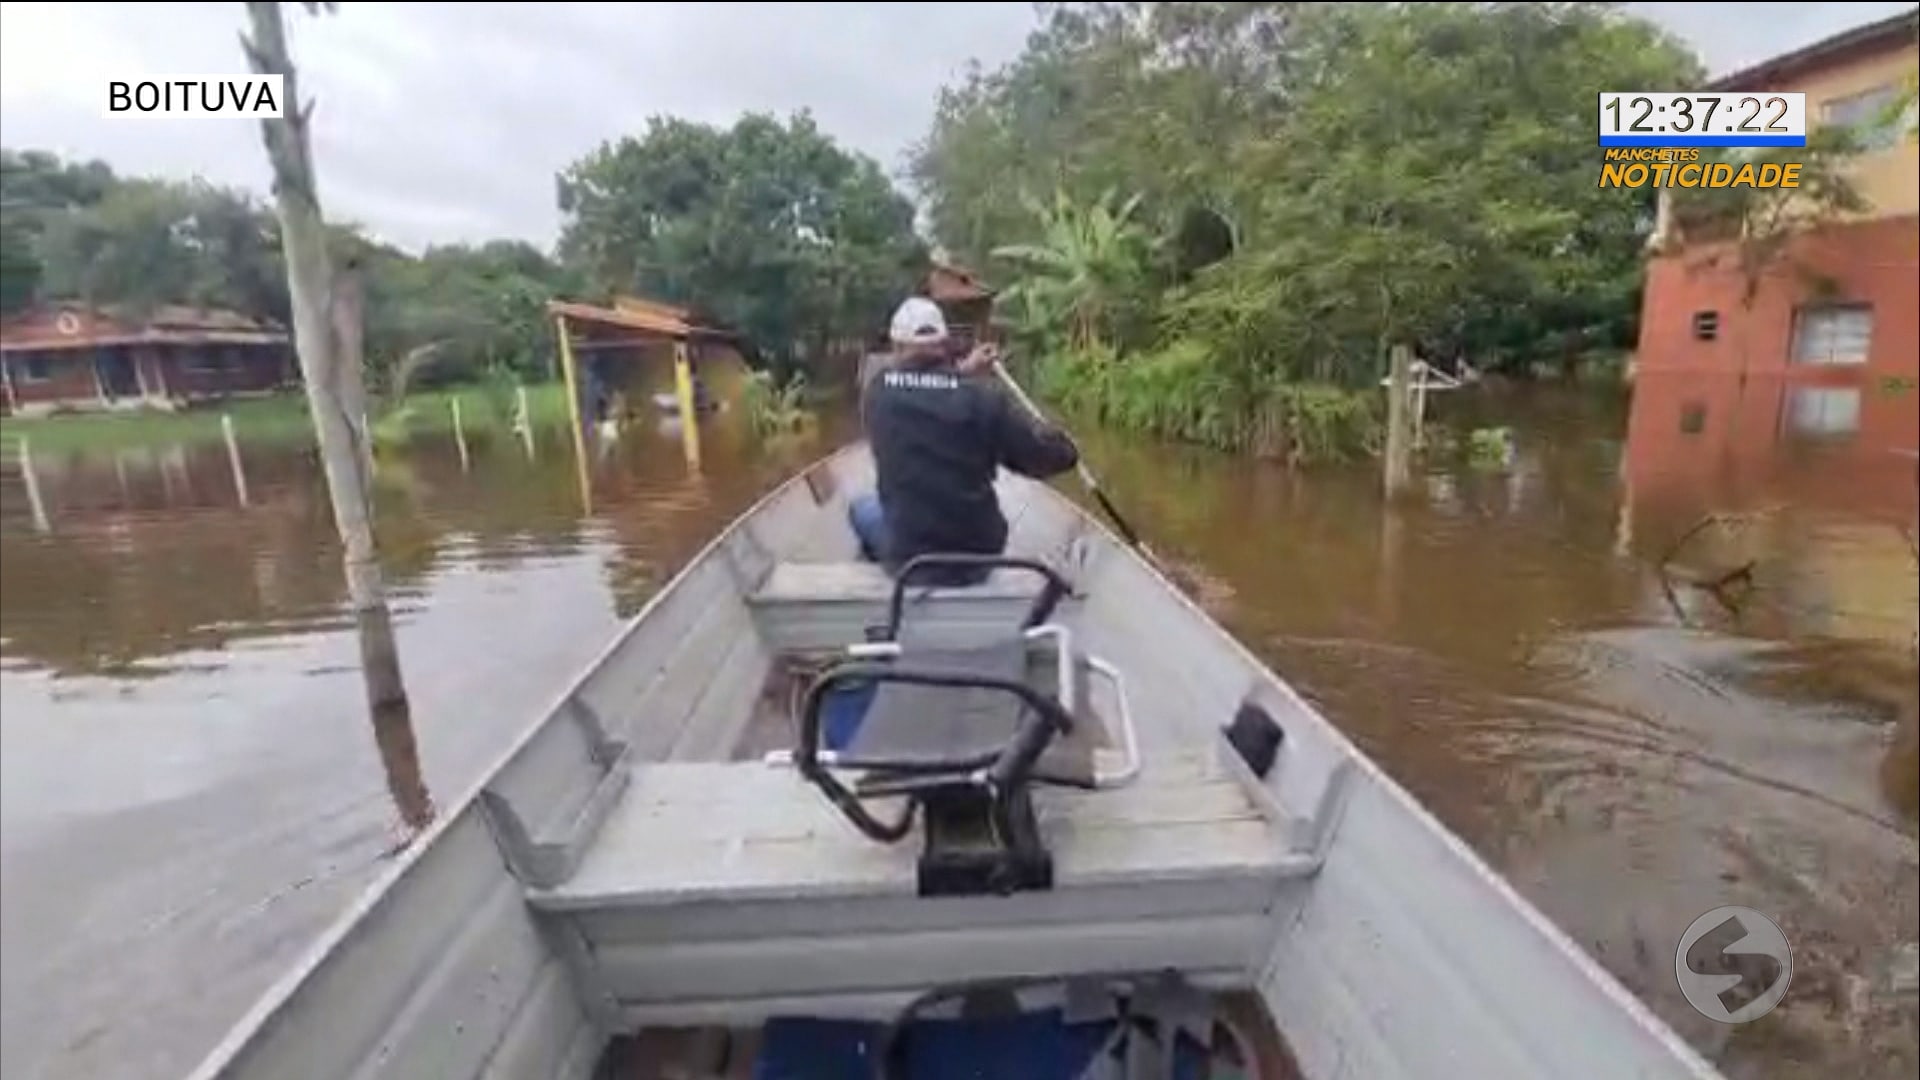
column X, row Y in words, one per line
column 191, row 787
column 1505, row 646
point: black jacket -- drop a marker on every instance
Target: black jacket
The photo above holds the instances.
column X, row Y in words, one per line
column 938, row 439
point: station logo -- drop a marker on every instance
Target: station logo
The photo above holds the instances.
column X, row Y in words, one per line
column 1653, row 139
column 1734, row 965
column 1682, row 168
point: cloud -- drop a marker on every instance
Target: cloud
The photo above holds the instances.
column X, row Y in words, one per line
column 441, row 122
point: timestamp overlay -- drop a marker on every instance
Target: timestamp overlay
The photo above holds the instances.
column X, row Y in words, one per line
column 1650, row 120
column 1701, row 140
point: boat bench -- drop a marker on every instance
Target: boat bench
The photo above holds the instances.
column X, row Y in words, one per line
column 818, row 606
column 720, row 890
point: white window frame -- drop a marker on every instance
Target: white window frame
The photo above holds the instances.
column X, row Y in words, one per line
column 1818, row 341
column 1826, row 403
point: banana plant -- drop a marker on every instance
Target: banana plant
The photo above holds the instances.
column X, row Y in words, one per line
column 1086, row 261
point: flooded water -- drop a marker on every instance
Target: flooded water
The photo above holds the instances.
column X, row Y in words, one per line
column 190, row 788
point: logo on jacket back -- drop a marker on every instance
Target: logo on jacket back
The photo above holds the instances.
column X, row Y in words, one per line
column 1733, row 964
column 920, row 380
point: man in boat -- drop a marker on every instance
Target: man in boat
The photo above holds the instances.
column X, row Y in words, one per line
column 939, row 433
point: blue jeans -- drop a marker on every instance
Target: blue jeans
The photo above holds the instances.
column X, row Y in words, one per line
column 869, row 521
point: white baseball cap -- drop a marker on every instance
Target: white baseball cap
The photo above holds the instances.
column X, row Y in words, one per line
column 918, row 321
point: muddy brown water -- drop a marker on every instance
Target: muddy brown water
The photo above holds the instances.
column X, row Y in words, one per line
column 190, row 787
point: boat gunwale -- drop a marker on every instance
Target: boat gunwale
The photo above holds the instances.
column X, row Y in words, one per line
column 257, row 1017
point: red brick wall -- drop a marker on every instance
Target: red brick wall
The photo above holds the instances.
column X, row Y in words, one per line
column 1738, row 385
column 259, row 368
column 1876, row 262
column 71, row 377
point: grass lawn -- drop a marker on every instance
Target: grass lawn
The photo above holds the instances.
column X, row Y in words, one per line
column 279, row 419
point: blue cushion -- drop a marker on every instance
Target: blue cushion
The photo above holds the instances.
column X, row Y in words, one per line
column 841, row 712
column 1030, row 1046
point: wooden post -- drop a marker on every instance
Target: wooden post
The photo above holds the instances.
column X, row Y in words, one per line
column 689, row 419
column 327, row 327
column 1399, row 465
column 1419, row 406
column 160, row 376
column 526, row 420
column 459, row 432
column 34, row 503
column 576, row 421
column 233, row 459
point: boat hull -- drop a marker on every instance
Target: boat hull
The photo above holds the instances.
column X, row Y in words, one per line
column 1379, row 943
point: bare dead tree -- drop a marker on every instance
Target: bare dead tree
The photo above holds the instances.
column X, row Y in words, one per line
column 327, row 332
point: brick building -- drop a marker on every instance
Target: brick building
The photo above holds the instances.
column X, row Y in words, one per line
column 1827, row 347
column 72, row 356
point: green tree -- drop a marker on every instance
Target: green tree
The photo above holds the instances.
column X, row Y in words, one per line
column 147, row 242
column 770, row 227
column 452, row 312
column 1144, row 98
column 35, row 183
column 1416, row 172
column 19, row 266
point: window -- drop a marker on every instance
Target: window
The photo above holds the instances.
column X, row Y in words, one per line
column 1832, row 335
column 203, row 362
column 1693, row 418
column 1870, row 114
column 35, row 368
column 1822, row 411
column 1706, row 325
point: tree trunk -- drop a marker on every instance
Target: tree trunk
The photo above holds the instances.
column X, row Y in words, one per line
column 346, row 310
column 327, row 321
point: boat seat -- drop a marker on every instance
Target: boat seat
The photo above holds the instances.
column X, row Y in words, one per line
column 923, row 726
column 703, row 832
column 819, row 606
column 722, row 890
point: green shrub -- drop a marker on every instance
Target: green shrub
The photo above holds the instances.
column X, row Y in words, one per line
column 1187, row 392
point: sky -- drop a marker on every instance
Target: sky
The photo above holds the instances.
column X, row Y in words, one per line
column 447, row 122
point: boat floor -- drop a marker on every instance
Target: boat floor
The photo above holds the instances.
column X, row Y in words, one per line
column 743, row 830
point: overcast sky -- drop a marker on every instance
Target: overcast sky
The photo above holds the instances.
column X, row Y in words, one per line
column 447, row 122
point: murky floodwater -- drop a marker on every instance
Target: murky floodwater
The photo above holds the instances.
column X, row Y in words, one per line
column 191, row 789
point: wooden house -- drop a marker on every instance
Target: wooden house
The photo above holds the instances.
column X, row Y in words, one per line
column 966, row 301
column 77, row 357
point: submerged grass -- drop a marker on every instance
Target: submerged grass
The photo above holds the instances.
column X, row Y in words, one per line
column 281, row 419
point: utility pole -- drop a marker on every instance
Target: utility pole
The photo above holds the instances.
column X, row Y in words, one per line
column 327, row 326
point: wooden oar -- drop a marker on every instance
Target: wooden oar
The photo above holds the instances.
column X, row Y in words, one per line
column 1091, row 481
